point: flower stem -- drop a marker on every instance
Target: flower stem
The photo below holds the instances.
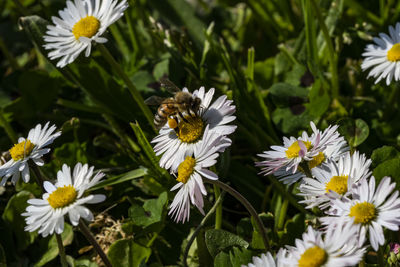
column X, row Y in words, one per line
column 218, row 211
column 86, row 232
column 132, row 89
column 61, row 251
column 38, row 175
column 306, row 169
column 381, row 262
column 247, row 205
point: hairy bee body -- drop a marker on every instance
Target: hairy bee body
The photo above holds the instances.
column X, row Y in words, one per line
column 173, row 107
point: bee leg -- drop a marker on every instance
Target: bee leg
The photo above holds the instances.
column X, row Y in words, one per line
column 183, row 118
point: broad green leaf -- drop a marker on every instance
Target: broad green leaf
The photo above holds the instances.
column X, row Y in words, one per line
column 236, row 257
column 355, row 131
column 52, row 248
column 293, row 77
column 388, row 168
column 35, row 27
column 219, row 240
column 382, row 154
column 286, row 95
column 80, row 262
column 151, row 212
column 290, row 120
column 70, row 153
column 12, row 215
column 134, row 174
column 294, row 228
column 319, row 100
column 127, row 253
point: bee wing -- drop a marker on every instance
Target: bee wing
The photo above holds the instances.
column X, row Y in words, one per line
column 154, row 100
column 169, row 86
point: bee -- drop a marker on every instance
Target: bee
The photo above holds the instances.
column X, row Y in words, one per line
column 171, row 108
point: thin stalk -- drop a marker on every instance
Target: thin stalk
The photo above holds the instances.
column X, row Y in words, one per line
column 247, row 205
column 218, row 212
column 132, row 89
column 331, row 50
column 61, row 251
column 306, row 169
column 282, row 213
column 38, row 175
column 86, row 232
column 7, row 127
column 381, row 262
column 201, row 225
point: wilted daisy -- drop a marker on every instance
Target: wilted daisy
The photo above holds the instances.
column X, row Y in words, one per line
column 335, row 181
column 369, row 210
column 81, row 23
column 189, row 175
column 175, row 145
column 316, row 149
column 267, row 260
column 337, row 247
column 31, row 148
column 65, row 197
column 383, row 56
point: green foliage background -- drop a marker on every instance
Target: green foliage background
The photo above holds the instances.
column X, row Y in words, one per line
column 270, row 56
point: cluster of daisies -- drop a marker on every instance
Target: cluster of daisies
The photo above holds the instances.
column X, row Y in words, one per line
column 194, row 146
column 340, row 185
column 65, row 196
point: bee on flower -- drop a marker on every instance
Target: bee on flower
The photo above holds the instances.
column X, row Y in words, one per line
column 28, row 149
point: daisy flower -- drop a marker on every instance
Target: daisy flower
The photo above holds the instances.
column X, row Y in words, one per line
column 175, row 145
column 65, row 197
column 80, row 23
column 338, row 247
column 267, row 260
column 369, row 209
column 316, row 149
column 189, row 175
column 335, row 181
column 32, row 148
column 383, row 56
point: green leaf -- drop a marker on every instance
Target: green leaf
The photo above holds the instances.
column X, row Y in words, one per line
column 52, row 251
column 134, row 174
column 127, row 253
column 235, row 258
column 388, row 168
column 80, row 262
column 383, row 154
column 219, row 240
column 285, row 95
column 151, row 212
column 35, row 27
column 12, row 215
column 319, row 100
column 355, row 131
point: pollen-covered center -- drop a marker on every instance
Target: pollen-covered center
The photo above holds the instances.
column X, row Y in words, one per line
column 86, row 27
column 62, row 197
column 294, row 149
column 21, row 150
column 317, row 160
column 313, row 257
column 191, row 130
column 337, row 184
column 394, row 53
column 363, row 212
column 185, row 169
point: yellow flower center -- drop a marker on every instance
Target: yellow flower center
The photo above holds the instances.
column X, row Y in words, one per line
column 294, row 149
column 62, row 197
column 313, row 257
column 21, row 150
column 317, row 160
column 191, row 130
column 86, row 27
column 363, row 213
column 337, row 184
column 185, row 169
column 394, row 53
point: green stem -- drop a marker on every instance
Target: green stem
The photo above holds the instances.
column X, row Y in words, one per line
column 201, row 225
column 381, row 262
column 282, row 213
column 218, row 212
column 247, row 205
column 61, row 251
column 86, row 232
column 331, row 50
column 306, row 169
column 132, row 89
column 7, row 127
column 38, row 175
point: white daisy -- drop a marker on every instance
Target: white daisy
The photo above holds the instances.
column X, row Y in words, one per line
column 335, row 181
column 174, row 146
column 31, row 148
column 369, row 210
column 65, row 197
column 189, row 175
column 79, row 24
column 267, row 260
column 316, row 149
column 338, row 247
column 383, row 56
